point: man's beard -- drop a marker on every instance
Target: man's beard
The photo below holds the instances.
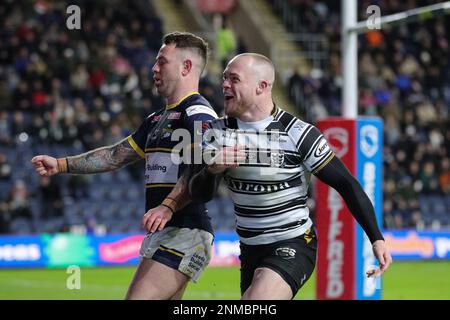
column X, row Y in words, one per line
column 233, row 111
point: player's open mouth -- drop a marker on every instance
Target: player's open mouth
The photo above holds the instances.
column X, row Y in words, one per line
column 228, row 96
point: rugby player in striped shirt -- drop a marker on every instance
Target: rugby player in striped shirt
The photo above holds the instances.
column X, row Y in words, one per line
column 266, row 157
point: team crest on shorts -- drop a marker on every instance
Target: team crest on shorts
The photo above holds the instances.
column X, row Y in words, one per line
column 285, row 252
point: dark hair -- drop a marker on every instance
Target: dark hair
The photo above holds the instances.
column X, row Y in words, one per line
column 188, row 40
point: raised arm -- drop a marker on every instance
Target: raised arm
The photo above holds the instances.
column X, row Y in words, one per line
column 336, row 175
column 103, row 159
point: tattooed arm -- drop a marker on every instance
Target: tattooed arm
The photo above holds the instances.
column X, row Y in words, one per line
column 103, row 159
column 179, row 197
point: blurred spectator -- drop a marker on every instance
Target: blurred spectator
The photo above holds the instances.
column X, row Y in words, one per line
column 5, row 168
column 5, row 129
column 403, row 76
column 78, row 186
column 5, row 94
column 19, row 201
column 429, row 180
column 94, row 227
column 226, row 43
column 65, row 89
column 444, row 176
column 18, row 125
column 51, row 198
column 76, row 90
column 5, row 217
column 213, row 93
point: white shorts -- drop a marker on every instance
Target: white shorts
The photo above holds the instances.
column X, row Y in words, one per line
column 183, row 249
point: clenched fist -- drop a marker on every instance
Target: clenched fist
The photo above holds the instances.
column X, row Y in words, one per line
column 46, row 166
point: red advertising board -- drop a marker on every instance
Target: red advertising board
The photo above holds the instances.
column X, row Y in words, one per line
column 335, row 224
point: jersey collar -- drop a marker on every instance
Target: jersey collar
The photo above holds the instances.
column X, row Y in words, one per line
column 275, row 111
column 173, row 105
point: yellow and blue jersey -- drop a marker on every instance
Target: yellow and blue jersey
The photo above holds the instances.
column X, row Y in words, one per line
column 158, row 141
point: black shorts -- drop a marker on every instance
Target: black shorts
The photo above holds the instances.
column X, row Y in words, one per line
column 293, row 259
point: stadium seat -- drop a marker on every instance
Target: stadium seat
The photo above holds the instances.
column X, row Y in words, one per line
column 51, row 225
column 74, row 220
column 125, row 211
column 71, row 211
column 106, row 177
column 116, row 226
column 5, row 188
column 121, row 176
column 116, row 193
column 439, row 206
column 425, row 205
column 133, row 193
column 21, row 226
column 96, row 193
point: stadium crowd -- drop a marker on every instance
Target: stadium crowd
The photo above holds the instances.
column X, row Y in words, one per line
column 64, row 91
column 404, row 77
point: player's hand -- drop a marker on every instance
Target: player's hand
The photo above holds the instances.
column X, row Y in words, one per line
column 383, row 256
column 228, row 157
column 46, row 166
column 155, row 219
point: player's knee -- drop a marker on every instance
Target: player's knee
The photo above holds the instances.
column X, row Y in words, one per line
column 248, row 295
column 253, row 293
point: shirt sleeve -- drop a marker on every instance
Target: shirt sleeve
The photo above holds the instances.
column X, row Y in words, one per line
column 197, row 122
column 314, row 149
column 138, row 138
column 197, row 117
column 212, row 142
column 337, row 176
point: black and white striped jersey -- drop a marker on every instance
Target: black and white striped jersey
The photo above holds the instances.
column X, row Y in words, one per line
column 269, row 190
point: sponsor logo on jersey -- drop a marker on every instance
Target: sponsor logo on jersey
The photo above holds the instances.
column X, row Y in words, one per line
column 156, row 167
column 167, row 132
column 174, row 116
column 255, row 187
column 321, row 148
column 160, row 169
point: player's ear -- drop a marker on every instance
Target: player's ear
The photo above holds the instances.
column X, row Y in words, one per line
column 262, row 85
column 187, row 67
